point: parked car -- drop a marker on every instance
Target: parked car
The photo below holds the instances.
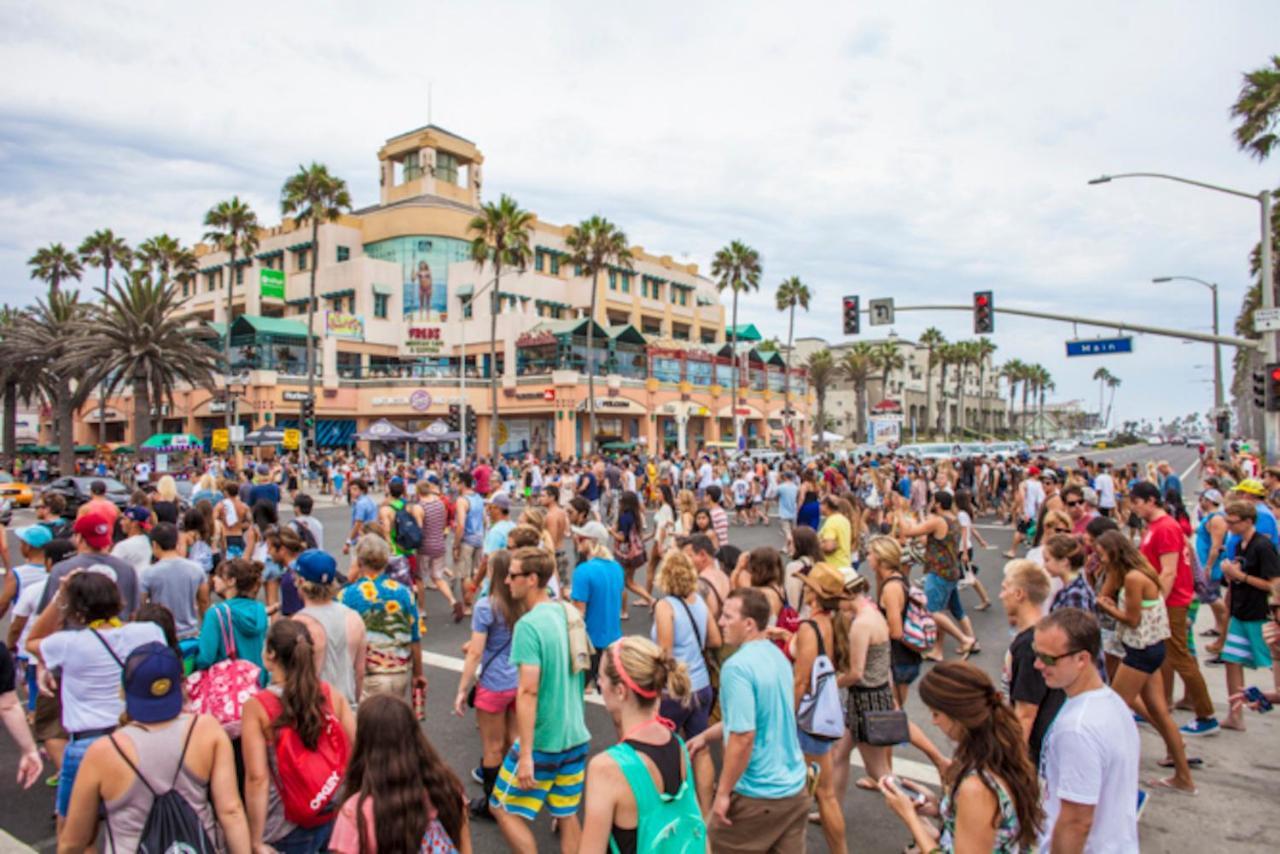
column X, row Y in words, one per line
column 1039, row 447
column 15, row 491
column 1154, row 440
column 1063, row 446
column 1177, row 440
column 76, row 491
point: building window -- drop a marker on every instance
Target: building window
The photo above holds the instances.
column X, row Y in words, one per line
column 651, row 327
column 626, row 283
column 380, row 306
column 411, row 168
column 239, row 275
column 186, row 289
column 302, row 259
column 613, row 280
column 555, row 265
column 466, row 309
column 537, row 261
column 708, row 336
column 446, row 167
column 344, row 254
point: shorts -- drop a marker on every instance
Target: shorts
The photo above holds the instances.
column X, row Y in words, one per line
column 395, row 684
column 1024, row 526
column 693, row 719
column 942, row 594
column 29, row 671
column 494, row 702
column 48, row 720
column 430, row 568
column 1144, row 659
column 398, row 570
column 235, row 545
column 466, row 563
column 743, row 508
column 557, row 782
column 811, row 746
column 304, row 840
column 905, row 674
column 71, row 759
column 1244, row 644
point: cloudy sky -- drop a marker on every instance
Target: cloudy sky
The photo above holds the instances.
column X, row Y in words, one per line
column 914, row 150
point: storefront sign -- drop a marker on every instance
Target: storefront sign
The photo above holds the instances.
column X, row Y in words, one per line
column 217, row 406
column 535, row 339
column 530, row 395
column 614, row 404
column 221, row 440
column 292, row 439
column 340, row 325
column 549, row 395
column 391, row 400
column 296, row 396
column 271, row 283
column 424, row 340
column 420, row 400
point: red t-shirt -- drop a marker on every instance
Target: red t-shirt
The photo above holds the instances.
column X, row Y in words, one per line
column 481, row 476
column 1161, row 537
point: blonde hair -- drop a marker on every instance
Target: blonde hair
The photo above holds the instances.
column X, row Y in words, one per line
column 887, row 552
column 207, row 483
column 650, row 668
column 1056, row 517
column 373, row 552
column 534, row 517
column 1029, row 577
column 166, row 489
column 676, row 574
column 685, row 502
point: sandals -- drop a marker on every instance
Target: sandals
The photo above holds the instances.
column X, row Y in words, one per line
column 1192, row 761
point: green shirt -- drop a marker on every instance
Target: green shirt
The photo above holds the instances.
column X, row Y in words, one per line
column 542, row 639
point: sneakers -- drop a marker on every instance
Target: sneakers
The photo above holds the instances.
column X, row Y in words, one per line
column 478, row 807
column 1200, row 726
column 1142, row 803
column 477, row 774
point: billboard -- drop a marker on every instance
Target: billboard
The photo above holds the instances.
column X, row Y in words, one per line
column 271, row 283
column 340, row 325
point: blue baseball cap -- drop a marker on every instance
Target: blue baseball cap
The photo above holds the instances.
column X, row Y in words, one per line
column 35, row 536
column 316, row 566
column 153, row 683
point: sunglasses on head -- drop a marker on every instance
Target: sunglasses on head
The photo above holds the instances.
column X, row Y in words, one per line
column 1050, row 660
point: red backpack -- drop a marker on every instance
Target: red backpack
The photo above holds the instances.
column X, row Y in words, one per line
column 315, row 776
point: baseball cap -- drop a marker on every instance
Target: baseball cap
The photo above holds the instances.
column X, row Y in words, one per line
column 35, row 536
column 593, row 530
column 316, row 566
column 1049, row 474
column 141, row 515
column 152, row 683
column 95, row 529
column 1213, row 496
column 263, row 469
column 1251, row 486
column 500, row 499
column 1033, row 471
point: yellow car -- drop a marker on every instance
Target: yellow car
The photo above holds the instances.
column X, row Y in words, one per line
column 16, row 492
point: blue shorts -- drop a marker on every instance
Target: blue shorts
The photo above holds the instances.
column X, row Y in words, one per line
column 1244, row 644
column 905, row 674
column 71, row 759
column 557, row 777
column 942, row 595
column 304, row 840
column 811, row 746
column 1144, row 659
column 691, row 720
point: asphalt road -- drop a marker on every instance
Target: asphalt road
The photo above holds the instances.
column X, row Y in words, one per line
column 1239, row 771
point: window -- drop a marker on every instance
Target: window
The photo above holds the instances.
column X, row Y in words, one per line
column 380, row 306
column 537, row 261
column 239, row 275
column 186, row 289
column 210, row 281
column 302, row 259
column 555, row 265
column 708, row 336
column 411, row 168
column 613, row 280
column 466, row 309
column 446, row 167
column 626, row 283
column 651, row 327
column 344, row 254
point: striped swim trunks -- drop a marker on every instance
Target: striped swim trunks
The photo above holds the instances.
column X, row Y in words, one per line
column 558, row 779
column 1245, row 645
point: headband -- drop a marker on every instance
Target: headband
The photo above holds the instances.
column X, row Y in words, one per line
column 626, row 678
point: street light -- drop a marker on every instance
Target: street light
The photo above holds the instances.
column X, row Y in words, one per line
column 1271, row 420
column 1217, row 348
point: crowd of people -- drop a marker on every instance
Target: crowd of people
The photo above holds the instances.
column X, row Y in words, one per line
column 205, row 670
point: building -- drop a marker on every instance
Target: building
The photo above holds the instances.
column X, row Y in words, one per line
column 985, row 413
column 404, row 319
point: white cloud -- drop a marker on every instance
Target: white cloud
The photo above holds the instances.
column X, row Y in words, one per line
column 921, row 151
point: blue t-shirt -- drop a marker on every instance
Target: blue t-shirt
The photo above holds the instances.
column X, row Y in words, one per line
column 499, row 673
column 496, row 539
column 587, row 486
column 598, row 583
column 787, row 493
column 904, row 487
column 260, row 491
column 364, row 510
column 757, row 695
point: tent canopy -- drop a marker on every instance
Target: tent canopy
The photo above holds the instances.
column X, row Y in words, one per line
column 437, row 431
column 170, row 442
column 383, row 430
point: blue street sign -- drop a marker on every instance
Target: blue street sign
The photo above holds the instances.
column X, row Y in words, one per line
column 1099, row 346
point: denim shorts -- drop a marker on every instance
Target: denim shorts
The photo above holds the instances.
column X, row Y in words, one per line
column 71, row 759
column 942, row 594
column 811, row 746
column 304, row 840
column 690, row 720
column 1145, row 659
column 905, row 674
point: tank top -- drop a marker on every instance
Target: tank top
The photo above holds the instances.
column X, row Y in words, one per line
column 433, row 521
column 688, row 639
column 473, row 527
column 1204, row 542
column 671, row 809
column 338, row 669
column 942, row 556
column 875, row 673
column 1152, row 628
column 157, row 751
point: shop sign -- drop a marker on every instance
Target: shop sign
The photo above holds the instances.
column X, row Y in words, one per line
column 391, row 400
column 424, row 340
column 221, row 440
column 420, row 400
column 217, row 406
column 271, row 283
column 530, row 395
column 340, row 325
column 549, row 395
column 535, row 339
column 614, row 404
column 292, row 439
column 296, row 396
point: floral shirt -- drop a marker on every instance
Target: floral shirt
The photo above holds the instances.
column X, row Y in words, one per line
column 1006, row 841
column 390, row 617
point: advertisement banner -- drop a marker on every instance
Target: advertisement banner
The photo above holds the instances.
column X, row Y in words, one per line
column 886, row 431
column 424, row 340
column 271, row 283
column 339, row 325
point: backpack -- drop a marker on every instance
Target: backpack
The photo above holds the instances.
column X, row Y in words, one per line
column 172, row 823
column 821, row 714
column 304, row 533
column 668, row 824
column 788, row 619
column 406, row 531
column 221, row 690
column 309, row 792
column 919, row 630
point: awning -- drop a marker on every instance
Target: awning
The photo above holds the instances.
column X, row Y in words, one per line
column 383, row 430
column 264, row 436
column 437, row 431
column 248, row 324
column 167, row 443
column 746, row 332
column 464, row 291
column 385, row 290
column 342, row 292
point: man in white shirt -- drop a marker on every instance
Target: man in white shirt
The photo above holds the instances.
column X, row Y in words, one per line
column 135, row 548
column 1032, row 497
column 1089, row 763
column 1106, row 488
column 705, row 476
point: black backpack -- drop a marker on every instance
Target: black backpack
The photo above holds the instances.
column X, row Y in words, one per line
column 304, row 533
column 172, row 823
column 408, row 535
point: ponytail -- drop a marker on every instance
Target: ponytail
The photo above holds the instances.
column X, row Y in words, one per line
column 304, row 702
column 648, row 671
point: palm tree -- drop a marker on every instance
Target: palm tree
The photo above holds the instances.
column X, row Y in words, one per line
column 737, row 268
column 962, row 357
column 1101, row 375
column 858, row 365
column 791, row 293
column 500, row 236
column 54, row 264
column 1030, row 374
column 822, row 370
column 313, row 194
column 888, row 358
column 158, row 254
column 1258, row 108
column 1044, row 384
column 1113, row 383
column 232, row 227
column 103, row 249
column 137, row 335
column 1013, row 371
column 931, row 339
column 946, row 356
column 16, row 377
column 983, row 350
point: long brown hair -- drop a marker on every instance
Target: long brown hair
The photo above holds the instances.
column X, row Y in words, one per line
column 393, row 763
column 1120, row 557
column 304, row 705
column 992, row 741
column 499, row 593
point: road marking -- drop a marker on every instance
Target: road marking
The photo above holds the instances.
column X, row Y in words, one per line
column 921, row 772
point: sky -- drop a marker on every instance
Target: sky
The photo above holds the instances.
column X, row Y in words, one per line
column 919, row 151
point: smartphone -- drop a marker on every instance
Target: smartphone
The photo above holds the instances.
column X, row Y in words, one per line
column 1254, row 695
column 917, row 798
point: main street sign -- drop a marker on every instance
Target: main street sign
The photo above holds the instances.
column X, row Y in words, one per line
column 1100, row 346
column 271, row 283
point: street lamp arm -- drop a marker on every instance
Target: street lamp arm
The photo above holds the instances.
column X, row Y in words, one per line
column 1160, row 280
column 1103, row 179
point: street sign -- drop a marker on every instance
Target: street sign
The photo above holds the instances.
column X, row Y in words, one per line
column 271, row 283
column 221, row 440
column 1266, row 319
column 292, row 439
column 237, row 434
column 881, row 312
column 296, row 396
column 1099, row 346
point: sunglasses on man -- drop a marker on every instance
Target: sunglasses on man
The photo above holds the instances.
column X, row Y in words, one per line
column 1050, row 660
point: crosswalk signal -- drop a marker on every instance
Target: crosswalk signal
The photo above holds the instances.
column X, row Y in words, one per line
column 851, row 316
column 984, row 320
column 1259, row 389
column 1273, row 387
column 308, row 414
column 453, row 419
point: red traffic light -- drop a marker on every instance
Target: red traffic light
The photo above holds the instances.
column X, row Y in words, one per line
column 1275, row 374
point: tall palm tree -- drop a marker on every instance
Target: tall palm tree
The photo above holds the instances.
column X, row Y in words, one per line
column 962, row 358
column 158, row 254
column 931, row 339
column 16, row 377
column 54, row 264
column 233, row 228
column 500, row 236
column 136, row 334
column 103, row 249
column 1030, row 373
column 1012, row 372
column 1113, row 383
column 888, row 358
column 1258, row 108
column 858, row 365
column 313, row 194
column 822, row 371
column 791, row 293
column 1044, row 384
column 983, row 350
column 736, row 267
column 1101, row 375
column 946, row 356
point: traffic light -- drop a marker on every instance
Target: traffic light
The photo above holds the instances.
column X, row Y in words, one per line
column 453, row 419
column 1273, row 387
column 851, row 316
column 1259, row 389
column 984, row 319
column 308, row 414
column 1224, row 424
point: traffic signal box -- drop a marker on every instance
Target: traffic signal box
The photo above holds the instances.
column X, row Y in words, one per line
column 984, row 319
column 852, row 323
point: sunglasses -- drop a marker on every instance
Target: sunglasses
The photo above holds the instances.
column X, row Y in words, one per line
column 1050, row 660
column 1074, row 503
column 519, row 574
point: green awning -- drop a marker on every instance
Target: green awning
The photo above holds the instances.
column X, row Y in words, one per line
column 344, row 292
column 626, row 333
column 172, row 442
column 746, row 332
column 273, row 253
column 85, row 449
column 219, row 328
column 385, row 290
column 618, row 446
column 465, row 291
column 250, row 324
column 298, row 247
column 570, row 327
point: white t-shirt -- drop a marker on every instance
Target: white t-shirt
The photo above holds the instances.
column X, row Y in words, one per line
column 135, row 551
column 29, row 574
column 966, row 528
column 28, row 605
column 741, row 492
column 1090, row 756
column 1106, row 491
column 90, row 676
column 1032, row 498
column 705, row 476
